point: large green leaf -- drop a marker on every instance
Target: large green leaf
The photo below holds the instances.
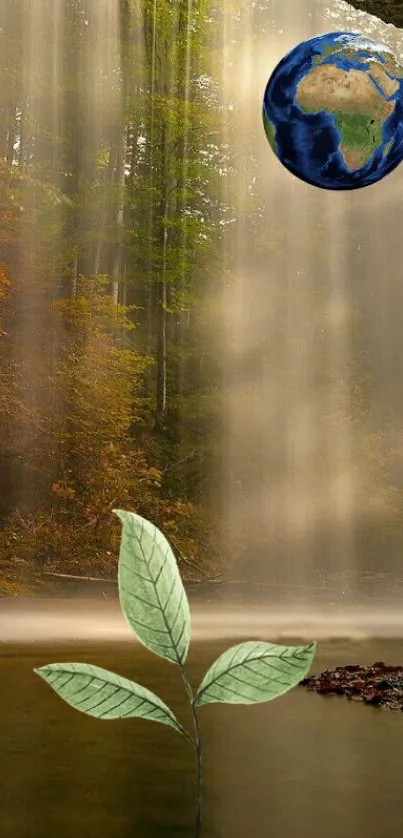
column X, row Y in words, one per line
column 151, row 593
column 105, row 695
column 252, row 672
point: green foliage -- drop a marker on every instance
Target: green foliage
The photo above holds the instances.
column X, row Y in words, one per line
column 154, row 602
column 252, row 672
column 151, row 593
column 115, row 697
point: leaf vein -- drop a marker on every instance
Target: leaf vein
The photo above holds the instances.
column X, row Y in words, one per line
column 229, row 689
column 116, row 706
column 92, row 707
column 140, row 599
column 136, row 573
column 71, row 676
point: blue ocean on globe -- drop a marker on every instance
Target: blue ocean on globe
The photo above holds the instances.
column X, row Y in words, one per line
column 333, row 111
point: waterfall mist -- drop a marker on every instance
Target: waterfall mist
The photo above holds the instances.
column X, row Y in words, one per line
column 312, row 431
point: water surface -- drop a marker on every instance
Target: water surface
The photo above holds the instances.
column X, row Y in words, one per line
column 301, row 766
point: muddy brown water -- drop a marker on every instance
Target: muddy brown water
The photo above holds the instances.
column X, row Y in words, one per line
column 302, row 765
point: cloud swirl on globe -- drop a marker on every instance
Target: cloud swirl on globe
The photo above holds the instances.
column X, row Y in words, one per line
column 333, row 111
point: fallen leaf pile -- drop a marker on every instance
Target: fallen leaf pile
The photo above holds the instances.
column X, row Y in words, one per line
column 379, row 685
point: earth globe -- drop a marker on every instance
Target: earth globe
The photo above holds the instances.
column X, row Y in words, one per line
column 333, row 111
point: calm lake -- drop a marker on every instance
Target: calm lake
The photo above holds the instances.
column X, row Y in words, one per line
column 302, row 765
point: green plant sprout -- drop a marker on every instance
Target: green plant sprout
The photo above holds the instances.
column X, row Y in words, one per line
column 155, row 605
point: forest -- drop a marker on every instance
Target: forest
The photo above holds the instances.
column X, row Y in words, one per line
column 121, row 214
column 111, row 216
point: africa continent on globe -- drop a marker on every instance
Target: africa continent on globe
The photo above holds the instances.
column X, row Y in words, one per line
column 333, row 111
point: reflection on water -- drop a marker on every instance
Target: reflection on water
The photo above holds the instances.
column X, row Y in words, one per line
column 299, row 766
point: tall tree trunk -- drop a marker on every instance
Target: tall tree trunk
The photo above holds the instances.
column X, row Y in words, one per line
column 116, row 265
column 161, row 325
column 152, row 298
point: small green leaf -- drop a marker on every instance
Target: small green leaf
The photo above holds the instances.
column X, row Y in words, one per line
column 105, row 695
column 253, row 672
column 151, row 592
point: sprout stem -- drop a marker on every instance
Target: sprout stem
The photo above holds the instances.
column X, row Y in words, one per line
column 198, row 750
